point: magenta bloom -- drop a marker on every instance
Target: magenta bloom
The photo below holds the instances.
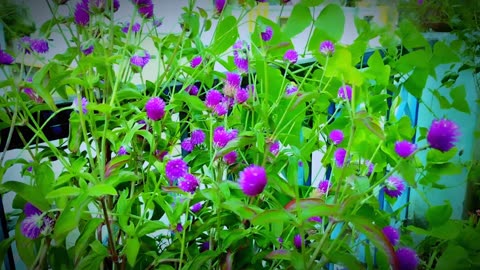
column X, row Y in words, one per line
column 205, row 246
column 267, row 33
column 291, row 89
column 324, row 186
column 221, row 136
column 407, row 258
column 394, row 186
column 253, row 180
column 443, row 134
column 240, row 55
column 35, row 223
column 232, row 84
column 5, row 58
column 291, row 56
column 340, row 154
column 135, row 27
column 315, row 219
column 75, row 105
column 192, row 90
column 345, row 92
column 196, row 61
column 189, row 183
column 198, row 136
column 336, row 136
column 82, row 13
column 187, row 145
column 230, row 158
column 221, row 108
column 140, row 60
column 327, row 47
column 39, row 45
column 146, row 11
column 220, row 5
column 122, row 151
column 196, row 207
column 155, row 108
column 275, row 148
column 213, row 98
column 405, row 148
column 297, row 241
column 242, row 95
column 176, row 168
column 391, row 234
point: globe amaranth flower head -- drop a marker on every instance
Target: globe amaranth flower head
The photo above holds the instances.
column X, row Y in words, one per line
column 140, row 60
column 267, row 33
column 394, row 186
column 242, row 95
column 187, row 144
column 405, row 148
column 213, row 98
column 39, row 45
column 336, row 136
column 135, row 27
column 196, row 61
column 240, row 55
column 291, row 56
column 175, row 169
column 315, row 219
column 82, row 13
column 5, row 58
column 145, row 8
column 198, row 136
column 196, row 207
column 122, row 151
column 35, row 222
column 188, row 183
column 253, row 180
column 291, row 89
column 391, row 234
column 274, row 148
column 370, row 167
column 84, row 104
column 327, row 47
column 155, row 108
column 230, row 157
column 339, row 156
column 407, row 258
column 221, row 136
column 324, row 186
column 231, row 84
column 443, row 134
column 192, row 90
column 87, row 49
column 220, row 5
column 345, row 92
column 297, row 241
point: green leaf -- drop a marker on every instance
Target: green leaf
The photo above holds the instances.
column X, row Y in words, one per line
column 150, row 226
column 29, row 194
column 271, row 216
column 86, row 236
column 459, row 97
column 225, row 35
column 25, row 247
column 44, row 177
column 4, row 246
column 239, row 208
column 37, row 84
column 311, row 3
column 435, row 156
column 442, row 100
column 132, row 247
column 101, row 190
column 454, row 257
column 70, row 217
column 63, row 192
column 416, row 82
column 128, row 93
column 58, row 258
column 299, row 20
column 330, row 23
column 443, row 54
column 439, row 214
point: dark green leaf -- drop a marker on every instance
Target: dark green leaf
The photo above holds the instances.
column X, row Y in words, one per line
column 29, row 194
column 439, row 214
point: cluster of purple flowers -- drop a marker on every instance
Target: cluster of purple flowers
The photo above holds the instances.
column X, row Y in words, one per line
column 221, row 136
column 175, row 169
column 220, row 6
column 274, row 148
column 85, row 8
column 197, row 137
column 291, row 89
column 252, row 180
column 192, row 90
column 339, row 156
column 406, row 257
column 31, row 93
column 84, row 104
column 405, row 148
column 327, row 48
column 267, row 33
column 443, row 134
column 394, row 186
column 345, row 92
column 291, row 56
column 324, row 186
column 215, row 100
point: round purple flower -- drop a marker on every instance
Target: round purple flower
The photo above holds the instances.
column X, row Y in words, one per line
column 176, row 168
column 5, row 58
column 291, row 56
column 443, row 134
column 315, row 219
column 187, row 145
column 274, row 148
column 192, row 90
column 135, row 27
column 146, row 11
column 324, row 186
column 188, row 183
column 221, row 109
column 25, row 44
column 213, row 98
column 220, row 5
column 196, row 61
column 221, row 136
column 242, row 95
column 327, row 47
column 240, row 55
column 82, row 13
column 345, row 92
column 291, row 89
column 140, row 60
column 405, row 148
column 35, row 222
column 391, row 234
column 205, row 246
column 155, row 108
column 232, row 84
column 267, row 33
column 394, row 186
column 75, row 105
column 241, row 63
column 39, row 45
column 253, row 180
column 198, row 136
column 297, row 241
column 336, row 136
column 196, row 207
column 407, row 258
column 340, row 154
column 122, row 151
column 230, row 157
column 86, row 50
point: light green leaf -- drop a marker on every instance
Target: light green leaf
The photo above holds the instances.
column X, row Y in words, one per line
column 331, row 23
column 63, row 192
column 150, row 226
column 28, row 193
column 271, row 216
column 101, row 190
column 225, row 35
column 132, row 247
column 298, row 21
column 459, row 95
column 416, row 82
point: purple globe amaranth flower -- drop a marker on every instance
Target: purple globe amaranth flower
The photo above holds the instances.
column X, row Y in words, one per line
column 420, row 2
column 291, row 56
column 140, row 60
column 213, row 98
column 192, row 90
column 39, row 45
column 324, row 186
column 291, row 89
column 274, row 148
column 31, row 93
column 221, row 136
column 242, row 95
column 327, row 47
column 443, row 134
column 297, row 241
column 196, row 61
column 179, row 227
column 84, row 104
column 240, row 55
column 35, row 223
column 205, row 246
column 86, row 50
column 407, row 258
column 30, row 210
column 122, row 151
column 146, row 11
column 232, row 84
column 221, row 109
column 188, row 183
column 196, row 207
column 394, row 186
column 198, row 136
column 336, row 136
column 253, row 180
column 370, row 166
column 220, row 5
column 391, row 234
column 5, row 58
column 315, row 219
column 340, row 155
column 267, row 34
column 187, row 145
column 155, row 108
column 405, row 148
column 175, row 169
column 82, row 13
column 230, row 157
column 135, row 27
column 345, row 92
column 25, row 44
